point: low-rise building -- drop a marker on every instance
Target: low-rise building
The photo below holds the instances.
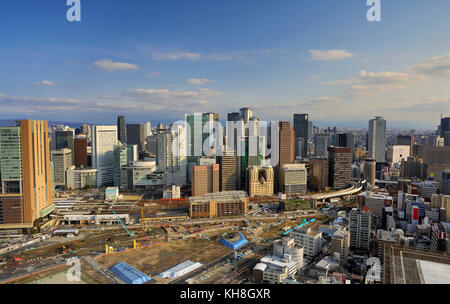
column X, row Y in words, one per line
column 218, row 204
column 81, row 178
column 309, row 239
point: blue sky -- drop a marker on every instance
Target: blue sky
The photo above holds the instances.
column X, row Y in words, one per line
column 156, row 60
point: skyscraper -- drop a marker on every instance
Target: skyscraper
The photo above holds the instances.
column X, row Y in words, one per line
column 301, row 126
column 25, row 186
column 80, row 151
column 445, row 126
column 377, row 139
column 205, row 179
column 260, row 181
column 360, row 228
column 287, row 137
column 123, row 155
column 446, row 182
column 104, row 139
column 201, row 127
column 321, row 143
column 121, row 130
column 62, row 160
column 318, row 173
column 346, row 140
column 136, row 135
column 171, row 155
column 228, row 171
column 340, row 167
column 246, row 114
column 63, row 137
column 369, row 170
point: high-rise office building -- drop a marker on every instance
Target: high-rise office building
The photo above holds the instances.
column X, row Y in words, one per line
column 205, row 179
column 63, row 137
column 171, row 156
column 345, row 140
column 445, row 126
column 369, row 170
column 396, row 153
column 233, row 116
column 287, row 138
column 104, row 139
column 80, row 151
column 437, row 160
column 199, row 133
column 301, row 126
column 446, row 182
column 377, row 139
column 360, row 228
column 86, row 130
column 293, row 178
column 25, row 177
column 321, row 143
column 228, row 170
column 62, row 160
column 123, row 155
column 339, row 167
column 340, row 243
column 147, row 129
column 318, row 173
column 260, row 181
column 136, row 135
column 246, row 114
column 121, row 129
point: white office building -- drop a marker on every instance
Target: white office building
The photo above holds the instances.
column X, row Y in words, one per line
column 104, row 139
column 172, row 160
column 309, row 239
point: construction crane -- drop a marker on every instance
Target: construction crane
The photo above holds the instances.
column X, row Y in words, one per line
column 120, row 221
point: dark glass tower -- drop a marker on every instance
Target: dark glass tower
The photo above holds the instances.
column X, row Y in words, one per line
column 121, row 130
column 301, row 130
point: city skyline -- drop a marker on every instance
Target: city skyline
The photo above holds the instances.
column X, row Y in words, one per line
column 157, row 63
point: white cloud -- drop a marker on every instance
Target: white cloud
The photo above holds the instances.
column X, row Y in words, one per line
column 368, row 83
column 177, row 55
column 319, row 55
column 321, row 100
column 199, row 81
column 438, row 66
column 44, row 83
column 153, row 74
column 109, row 65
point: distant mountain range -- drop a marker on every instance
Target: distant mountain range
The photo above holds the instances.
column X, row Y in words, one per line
column 12, row 122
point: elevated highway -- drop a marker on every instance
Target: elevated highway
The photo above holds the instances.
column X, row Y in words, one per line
column 355, row 188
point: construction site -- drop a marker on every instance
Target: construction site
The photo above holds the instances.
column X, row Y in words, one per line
column 155, row 238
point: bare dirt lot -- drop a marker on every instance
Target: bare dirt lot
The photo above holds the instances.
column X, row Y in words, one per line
column 161, row 256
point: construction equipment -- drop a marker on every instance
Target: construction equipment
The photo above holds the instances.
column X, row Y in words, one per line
column 144, row 224
column 120, row 221
column 65, row 250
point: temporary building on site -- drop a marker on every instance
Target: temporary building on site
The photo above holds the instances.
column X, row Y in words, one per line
column 128, row 274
